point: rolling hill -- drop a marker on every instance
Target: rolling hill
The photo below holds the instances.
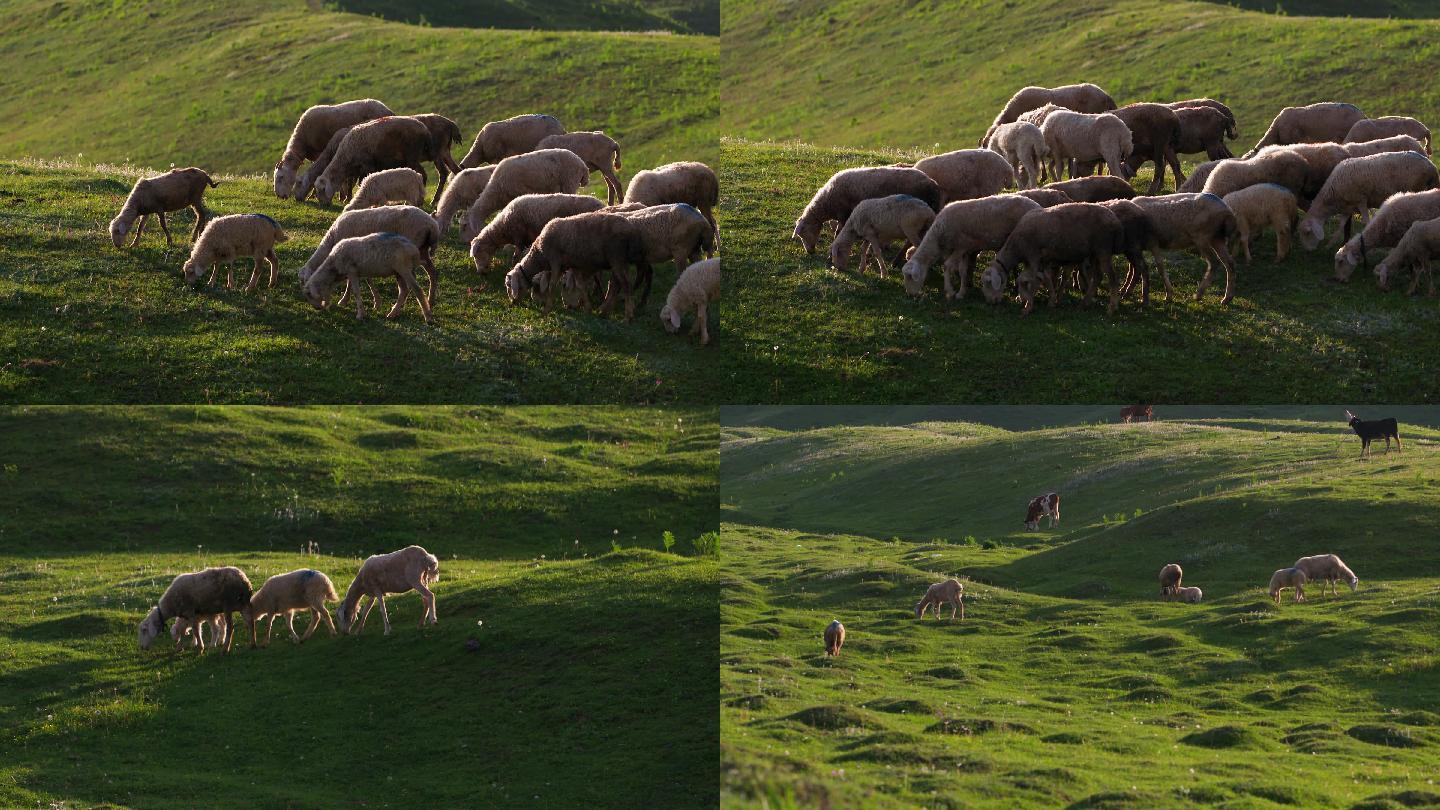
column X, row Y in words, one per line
column 683, row 16
column 523, row 694
column 1068, row 683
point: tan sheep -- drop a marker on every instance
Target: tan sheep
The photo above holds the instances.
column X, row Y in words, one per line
column 465, row 187
column 520, row 221
column 1082, row 137
column 1094, row 189
column 1419, row 245
column 1022, row 144
column 950, row 592
column 1261, row 206
column 1050, row 195
column 1189, row 595
column 1371, row 129
column 1288, row 578
column 1201, row 223
column 362, row 258
column 284, row 595
column 1171, row 576
column 599, row 151
column 688, row 182
column 1085, row 98
column 234, row 237
column 314, row 131
column 1386, row 228
column 1276, row 166
column 1359, row 184
column 1082, row 234
column 1314, row 123
column 588, row 244
column 202, row 594
column 1330, row 569
column 389, row 186
column 876, row 223
column 958, row 235
column 547, row 171
column 847, row 188
column 696, row 288
column 498, row 140
column 407, row 220
column 834, row 637
column 172, row 191
column 410, row 568
column 968, row 174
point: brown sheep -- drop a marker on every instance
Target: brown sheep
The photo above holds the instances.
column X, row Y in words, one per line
column 547, row 171
column 1170, row 577
column 1231, row 131
column 1074, row 233
column 306, row 184
column 1094, row 189
column 599, row 151
column 1314, row 123
column 171, row 191
column 1198, row 222
column 313, row 133
column 957, row 236
column 385, row 143
column 1202, row 129
column 522, row 219
column 1134, row 238
column 587, row 244
column 1084, row 98
column 687, row 181
column 834, row 637
column 444, row 133
column 1154, row 133
column 849, row 187
column 967, row 174
column 498, row 140
column 1373, row 129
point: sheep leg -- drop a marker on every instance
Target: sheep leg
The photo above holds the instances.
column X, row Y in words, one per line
column 164, row 228
column 1174, row 161
column 270, row 628
column 953, row 606
column 425, row 309
column 950, row 267
column 612, row 185
column 359, row 303
column 325, row 614
column 384, row 613
column 961, row 600
column 1228, row 263
column 365, row 614
column 199, row 642
column 401, row 295
column 214, row 270
column 428, row 597
column 877, row 252
column 702, row 321
column 1158, row 181
column 255, row 275
column 274, row 266
column 1164, row 274
column 230, row 631
column 290, row 624
column 139, row 229
column 315, row 613
column 433, row 294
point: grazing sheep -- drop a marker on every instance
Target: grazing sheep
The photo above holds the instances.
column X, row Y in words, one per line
column 834, row 637
column 675, row 232
column 849, row 187
column 407, row 220
column 1359, row 184
column 1278, row 166
column 213, row 591
column 1386, row 228
column 697, row 286
column 1134, row 238
column 520, row 221
column 547, row 171
column 171, row 191
column 188, row 633
column 1202, row 129
column 313, row 132
column 1288, row 578
column 1022, row 144
column 307, row 181
column 410, row 568
column 1417, row 247
column 599, row 151
column 877, row 222
column 1094, row 189
column 957, row 236
column 1195, row 183
column 1322, row 158
column 1372, row 129
column 1201, row 223
column 1231, row 131
column 588, row 244
column 950, row 592
column 1082, row 137
column 1170, row 578
column 465, row 187
column 1050, row 195
column 1085, row 98
column 1154, row 133
column 284, row 594
column 967, row 174
column 1074, row 233
column 1261, row 206
column 389, row 186
column 1314, row 123
column 498, row 140
column 236, row 237
column 688, row 182
column 1189, row 595
column 364, row 258
column 385, row 143
column 1329, row 568
column 1037, row 117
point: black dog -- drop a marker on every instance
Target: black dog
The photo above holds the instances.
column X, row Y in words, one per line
column 1370, row 431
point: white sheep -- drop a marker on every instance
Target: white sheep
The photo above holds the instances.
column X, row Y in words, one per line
column 409, row 221
column 237, row 236
column 362, row 258
column 1022, row 144
column 1261, row 206
column 877, row 222
column 547, row 171
column 695, row 289
column 283, row 595
column 1359, row 184
column 1083, row 137
column 1329, row 568
column 950, row 592
column 968, row 174
column 410, row 569
column 202, row 594
column 1417, row 247
column 1386, row 228
column 1189, row 595
column 1288, row 578
column 400, row 185
column 461, row 193
column 187, row 633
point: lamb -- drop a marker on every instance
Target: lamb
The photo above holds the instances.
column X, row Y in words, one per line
column 1082, row 137
column 1278, row 166
column 385, row 143
column 676, row 232
column 959, row 233
column 464, row 189
column 1195, row 183
column 548, row 171
column 599, row 151
column 849, row 187
column 1170, row 577
column 284, row 594
column 686, row 182
column 319, row 165
column 1094, row 189
column 834, row 637
column 1198, row 222
column 1314, row 123
column 389, row 186
column 1189, row 595
column 1085, row 98
column 877, row 222
column 171, row 191
column 587, row 244
column 407, row 220
column 697, row 286
column 1022, row 144
column 198, row 595
column 498, row 140
column 522, row 220
column 410, row 568
column 966, row 174
column 1417, row 247
column 1261, row 206
column 950, row 592
column 1074, row 233
column 313, row 132
column 1329, row 568
column 1154, row 133
column 1361, row 183
column 1370, row 129
column 1050, row 195
column 234, row 237
column 1288, row 578
column 1386, row 228
column 188, row 633
column 367, row 257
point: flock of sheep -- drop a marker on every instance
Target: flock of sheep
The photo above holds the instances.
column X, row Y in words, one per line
column 1325, row 159
column 517, row 186
column 210, row 598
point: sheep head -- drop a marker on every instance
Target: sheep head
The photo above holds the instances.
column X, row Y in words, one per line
column 119, row 227
column 1346, row 260
column 324, row 190
column 808, row 233
column 1383, row 272
column 516, row 284
column 284, row 180
column 481, row 253
column 671, row 318
column 992, row 284
column 914, row 276
column 151, row 628
column 1312, row 231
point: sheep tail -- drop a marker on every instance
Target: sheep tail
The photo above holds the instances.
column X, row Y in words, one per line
column 213, row 183
column 617, row 157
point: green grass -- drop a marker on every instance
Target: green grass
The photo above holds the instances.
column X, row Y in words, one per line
column 1069, row 684
column 683, row 16
column 103, row 506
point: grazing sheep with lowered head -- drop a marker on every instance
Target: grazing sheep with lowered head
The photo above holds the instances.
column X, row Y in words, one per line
column 586, row 244
column 1198, row 222
column 362, row 258
column 1082, row 137
column 1359, row 184
column 1276, row 166
column 1386, row 228
column 1022, row 144
column 957, row 236
column 877, row 222
column 968, row 174
column 1288, row 578
column 210, row 592
column 1261, row 206
column 1328, row 568
column 410, row 568
column 834, row 637
column 847, row 188
column 1085, row 98
column 696, row 288
column 389, row 186
column 1314, row 123
column 283, row 595
column 522, row 219
column 313, row 132
column 950, row 592
column 306, row 184
column 599, row 151
column 464, row 188
column 234, row 237
column 1372, row 129
column 498, row 140
column 1075, row 233
column 385, row 143
column 407, row 220
column 547, row 171
column 688, row 182
column 171, row 191
column 1170, row 578
column 1189, row 595
column 1417, row 247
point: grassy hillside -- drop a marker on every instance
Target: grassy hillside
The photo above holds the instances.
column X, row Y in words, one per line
column 1069, row 684
column 1340, row 8
column 523, row 694
column 684, row 16
column 221, row 86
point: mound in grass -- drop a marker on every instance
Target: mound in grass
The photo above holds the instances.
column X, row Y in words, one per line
column 980, row 725
column 900, row 706
column 1224, row 737
column 1120, row 800
column 1150, row 694
column 1391, row 736
column 1419, row 717
column 833, row 717
column 1064, row 738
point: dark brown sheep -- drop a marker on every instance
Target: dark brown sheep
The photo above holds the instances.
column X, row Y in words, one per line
column 444, row 134
column 1082, row 234
column 397, row 141
column 1094, row 189
column 1154, row 131
column 1231, row 131
column 586, row 244
column 1170, row 577
column 1198, row 222
column 1202, row 129
column 1314, row 123
column 1134, row 238
column 848, row 187
column 498, row 140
